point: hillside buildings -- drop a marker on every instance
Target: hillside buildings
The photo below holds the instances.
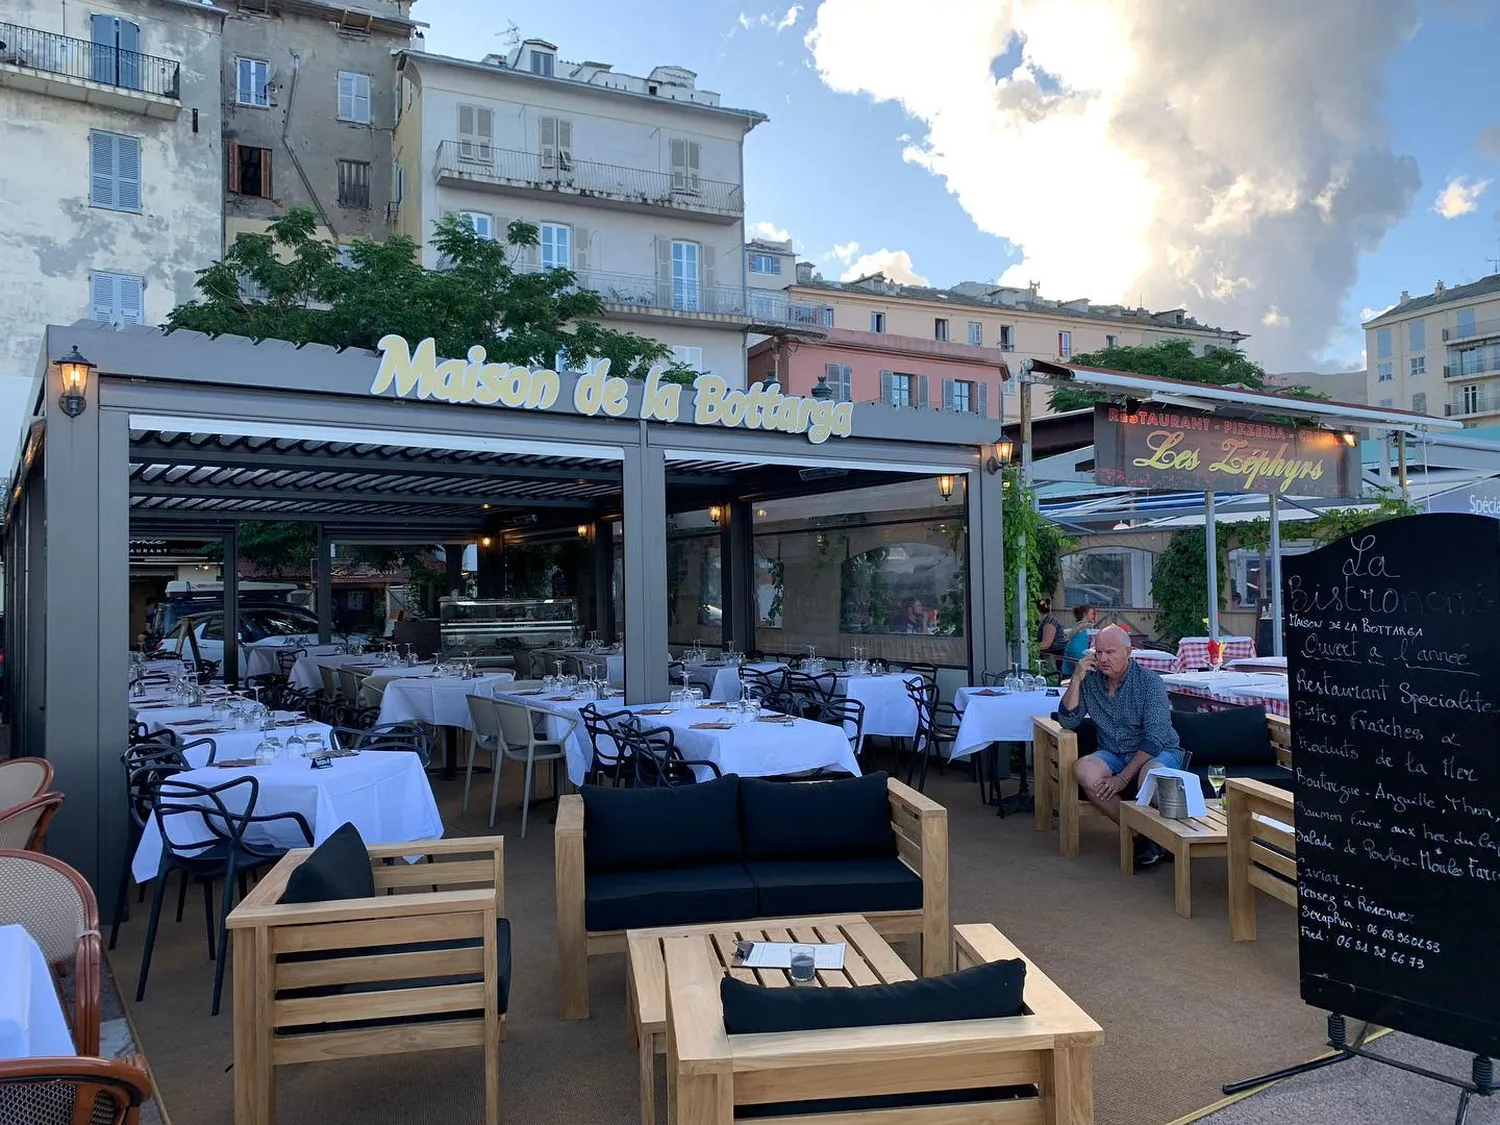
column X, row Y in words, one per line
column 1439, row 353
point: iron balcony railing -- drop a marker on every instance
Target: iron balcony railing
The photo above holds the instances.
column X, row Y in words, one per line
column 477, row 161
column 1471, row 365
column 771, row 307
column 1478, row 330
column 93, row 62
column 1475, row 404
column 657, row 295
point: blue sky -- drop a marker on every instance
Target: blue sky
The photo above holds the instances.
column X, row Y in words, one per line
column 829, row 165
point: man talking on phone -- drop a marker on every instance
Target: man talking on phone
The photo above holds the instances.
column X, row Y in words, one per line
column 1130, row 709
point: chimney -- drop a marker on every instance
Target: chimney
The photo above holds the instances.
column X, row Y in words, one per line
column 804, row 272
column 1405, row 296
column 1437, row 290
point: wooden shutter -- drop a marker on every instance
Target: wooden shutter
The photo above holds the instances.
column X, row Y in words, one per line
column 102, row 169
column 949, row 401
column 692, row 165
column 679, row 164
column 921, row 390
column 265, row 173
column 362, row 98
column 564, row 145
column 664, row 271
column 484, row 129
column 982, row 389
column 887, row 383
column 581, row 236
column 128, row 40
column 232, row 152
column 102, row 297
column 346, row 96
column 132, row 300
column 128, row 173
column 708, row 269
column 102, row 61
column 547, row 141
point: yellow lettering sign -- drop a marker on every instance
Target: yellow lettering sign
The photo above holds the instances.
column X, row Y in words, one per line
column 1164, row 453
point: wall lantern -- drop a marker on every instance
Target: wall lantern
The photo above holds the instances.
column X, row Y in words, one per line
column 716, row 513
column 583, row 531
column 75, row 379
column 1349, row 439
column 485, row 542
column 1004, row 449
column 945, row 485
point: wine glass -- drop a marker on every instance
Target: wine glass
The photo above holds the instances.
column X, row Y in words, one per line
column 1216, row 782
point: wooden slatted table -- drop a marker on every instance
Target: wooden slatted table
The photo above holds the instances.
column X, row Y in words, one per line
column 1187, row 840
column 867, row 960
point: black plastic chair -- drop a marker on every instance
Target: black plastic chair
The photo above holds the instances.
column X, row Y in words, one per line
column 655, row 759
column 813, row 692
column 223, row 854
column 417, row 737
column 146, row 764
column 992, row 679
column 850, row 715
column 763, row 682
column 936, row 723
column 610, row 753
column 287, row 659
column 927, row 671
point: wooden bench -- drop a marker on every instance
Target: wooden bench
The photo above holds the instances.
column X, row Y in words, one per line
column 1262, row 850
column 1049, row 1047
column 1054, row 753
column 1198, row 837
column 346, row 958
column 921, row 827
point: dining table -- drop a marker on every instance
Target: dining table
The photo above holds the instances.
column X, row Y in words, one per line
column 1222, row 686
column 889, row 710
column 613, row 662
column 32, row 1023
column 430, row 697
column 723, row 681
column 262, row 658
column 1192, row 652
column 991, row 714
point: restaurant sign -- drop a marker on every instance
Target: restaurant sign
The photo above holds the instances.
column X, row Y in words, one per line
column 1162, row 447
column 419, row 374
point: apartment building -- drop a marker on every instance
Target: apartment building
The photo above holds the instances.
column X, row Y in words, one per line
column 111, row 174
column 636, row 184
column 1440, row 353
column 308, row 108
column 873, row 340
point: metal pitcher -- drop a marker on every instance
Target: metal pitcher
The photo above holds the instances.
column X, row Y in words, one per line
column 1171, row 798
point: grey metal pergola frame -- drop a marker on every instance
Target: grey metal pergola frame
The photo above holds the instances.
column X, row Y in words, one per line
column 192, row 435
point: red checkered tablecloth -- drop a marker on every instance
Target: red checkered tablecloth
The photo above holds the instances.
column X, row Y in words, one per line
column 1242, row 689
column 1273, row 697
column 1154, row 659
column 1192, row 652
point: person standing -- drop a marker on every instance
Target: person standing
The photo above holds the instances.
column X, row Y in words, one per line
column 1049, row 629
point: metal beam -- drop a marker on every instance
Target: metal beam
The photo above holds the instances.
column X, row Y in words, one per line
column 188, row 491
column 221, row 517
column 231, row 667
column 322, row 579
column 645, row 575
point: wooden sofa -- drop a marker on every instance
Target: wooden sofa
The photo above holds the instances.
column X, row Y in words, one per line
column 1054, row 753
column 1041, row 1060
column 411, row 969
column 1262, row 850
column 920, row 826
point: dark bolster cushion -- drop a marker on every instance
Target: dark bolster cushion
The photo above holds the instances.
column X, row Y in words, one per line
column 627, row 900
column 817, row 819
column 338, row 868
column 870, row 1103
column 992, row 991
column 648, row 828
column 1087, row 735
column 1233, row 737
column 791, row 887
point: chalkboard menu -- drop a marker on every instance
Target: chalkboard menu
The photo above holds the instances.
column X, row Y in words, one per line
column 1393, row 661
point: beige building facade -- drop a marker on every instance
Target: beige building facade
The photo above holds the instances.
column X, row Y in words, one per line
column 1439, row 353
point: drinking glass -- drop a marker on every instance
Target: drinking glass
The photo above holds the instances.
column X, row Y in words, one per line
column 804, row 957
column 268, row 751
column 295, row 746
column 1216, row 782
column 314, row 745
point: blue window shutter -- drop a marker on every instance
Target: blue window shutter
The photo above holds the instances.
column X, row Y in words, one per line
column 132, row 300
column 102, row 31
column 947, row 394
column 983, row 390
column 102, row 297
column 129, row 42
column 102, row 169
column 887, row 395
column 128, row 173
column 921, row 390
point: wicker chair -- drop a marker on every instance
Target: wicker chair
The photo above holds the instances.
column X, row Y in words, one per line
column 21, row 779
column 25, row 825
column 56, row 906
column 65, row 1091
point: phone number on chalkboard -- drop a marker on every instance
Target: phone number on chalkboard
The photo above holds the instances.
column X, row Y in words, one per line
column 1394, row 956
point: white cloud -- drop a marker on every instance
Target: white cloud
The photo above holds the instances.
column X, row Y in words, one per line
column 1153, row 149
column 1460, row 197
column 843, row 251
column 1367, row 313
column 1275, row 319
column 793, row 14
column 895, row 264
column 768, row 230
column 777, row 23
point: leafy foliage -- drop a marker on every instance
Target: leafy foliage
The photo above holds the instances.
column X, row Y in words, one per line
column 1045, row 546
column 1171, row 359
column 1334, row 523
column 1179, row 583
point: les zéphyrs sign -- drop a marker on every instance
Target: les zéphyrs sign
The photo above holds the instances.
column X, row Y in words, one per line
column 474, row 381
column 1166, row 448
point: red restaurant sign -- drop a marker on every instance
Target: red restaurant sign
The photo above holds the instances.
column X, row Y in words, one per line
column 1166, row 448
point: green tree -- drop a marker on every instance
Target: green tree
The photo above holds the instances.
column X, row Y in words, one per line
column 1179, row 584
column 1170, row 359
column 1045, row 546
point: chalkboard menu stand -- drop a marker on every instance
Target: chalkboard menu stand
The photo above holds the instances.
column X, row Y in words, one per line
column 1393, row 666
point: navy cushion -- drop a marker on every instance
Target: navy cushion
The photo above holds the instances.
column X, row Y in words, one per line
column 338, row 868
column 833, row 886
column 992, row 991
column 869, row 1103
column 1087, row 734
column 648, row 828
column 817, row 819
column 625, row 900
column 1236, row 736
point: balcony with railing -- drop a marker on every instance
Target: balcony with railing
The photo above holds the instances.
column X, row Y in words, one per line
column 481, row 166
column 1473, row 364
column 1483, row 401
column 1478, row 330
column 60, row 66
column 773, row 310
column 643, row 297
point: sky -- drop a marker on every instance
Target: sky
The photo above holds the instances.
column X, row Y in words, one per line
column 1281, row 167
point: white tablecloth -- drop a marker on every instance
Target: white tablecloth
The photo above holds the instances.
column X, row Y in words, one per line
column 260, row 656
column 440, row 700
column 305, row 675
column 998, row 718
column 613, row 662
column 723, row 682
column 384, row 793
column 32, row 1024
column 889, row 711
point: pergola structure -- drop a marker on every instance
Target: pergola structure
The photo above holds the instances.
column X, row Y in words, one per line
column 183, row 435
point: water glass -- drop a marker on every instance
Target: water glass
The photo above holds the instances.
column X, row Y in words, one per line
column 804, row 957
column 314, row 745
column 268, row 751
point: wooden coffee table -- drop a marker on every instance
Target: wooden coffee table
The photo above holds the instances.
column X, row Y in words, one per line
column 867, row 960
column 1198, row 837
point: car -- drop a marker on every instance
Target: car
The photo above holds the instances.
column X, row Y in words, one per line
column 257, row 623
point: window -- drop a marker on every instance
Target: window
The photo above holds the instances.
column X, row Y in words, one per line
column 396, row 101
column 1470, row 361
column 688, row 356
column 1116, row 577
column 252, row 80
column 765, row 263
column 976, row 333
column 1416, row 336
column 825, row 316
column 114, row 171
column 555, row 143
column 898, row 389
column 1465, row 323
column 557, row 246
column 252, row 290
column 476, row 134
column 840, row 378
column 116, row 59
column 915, row 586
column 1471, row 398
column 117, row 298
column 249, row 170
column 354, row 97
column 1384, row 372
column 346, row 256
column 480, row 223
column 1065, row 344
column 685, row 164
column 1007, row 338
column 1418, row 403
column 541, row 63
column 685, row 287
column 398, row 183
column 1382, row 343
column 940, row 328
column 1387, row 402
column 877, row 322
column 354, row 184
column 1112, row 342
column 960, row 395
column 1419, row 365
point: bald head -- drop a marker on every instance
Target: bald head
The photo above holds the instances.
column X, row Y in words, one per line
column 1112, row 652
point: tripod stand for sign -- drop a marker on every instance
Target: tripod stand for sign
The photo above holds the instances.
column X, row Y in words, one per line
column 1481, row 1082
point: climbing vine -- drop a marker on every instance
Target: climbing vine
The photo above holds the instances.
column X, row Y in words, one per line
column 1179, row 583
column 1045, row 546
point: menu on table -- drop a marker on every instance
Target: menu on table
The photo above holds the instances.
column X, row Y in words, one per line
column 1393, row 651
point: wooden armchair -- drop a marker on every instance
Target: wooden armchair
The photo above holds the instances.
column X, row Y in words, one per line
column 1035, row 1067
column 61, row 1091
column 56, row 906
column 1262, row 850
column 414, row 970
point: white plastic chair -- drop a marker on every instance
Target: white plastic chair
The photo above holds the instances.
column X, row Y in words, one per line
column 485, row 736
column 520, row 741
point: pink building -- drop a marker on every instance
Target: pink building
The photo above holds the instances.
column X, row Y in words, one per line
column 882, row 367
